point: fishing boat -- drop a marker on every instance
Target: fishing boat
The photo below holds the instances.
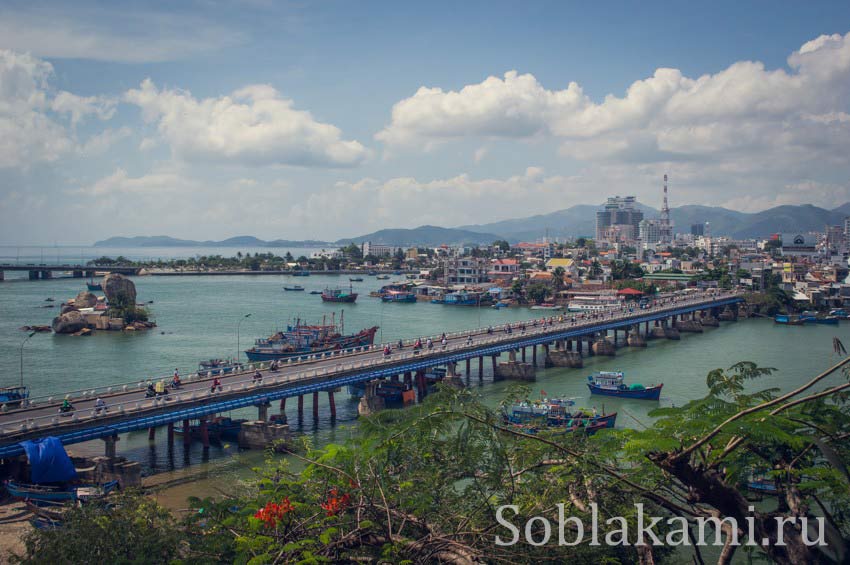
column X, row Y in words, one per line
column 91, row 285
column 383, row 277
column 372, row 273
column 355, row 279
column 301, row 274
column 303, row 339
column 339, row 295
column 762, row 485
column 553, row 412
column 829, row 320
column 839, row 313
column 218, row 367
column 315, row 292
column 463, row 298
column 501, row 304
column 789, row 320
column 59, row 493
column 293, row 287
column 546, row 306
column 14, row 395
column 220, row 428
column 610, row 383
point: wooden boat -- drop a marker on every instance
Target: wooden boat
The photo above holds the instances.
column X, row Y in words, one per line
column 293, row 287
column 355, row 279
column 304, row 339
column 610, row 383
column 315, row 292
column 546, row 306
column 59, row 493
column 338, row 295
column 789, row 320
column 398, row 296
column 91, row 285
column 552, row 412
column 830, row 320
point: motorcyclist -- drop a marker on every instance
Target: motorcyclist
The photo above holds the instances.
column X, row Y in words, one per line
column 216, row 384
column 66, row 406
column 175, row 381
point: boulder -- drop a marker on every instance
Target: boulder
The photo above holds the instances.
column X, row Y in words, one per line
column 119, row 290
column 85, row 299
column 67, row 308
column 69, row 322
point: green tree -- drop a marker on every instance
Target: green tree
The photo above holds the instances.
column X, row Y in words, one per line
column 503, row 245
column 538, row 292
column 595, row 269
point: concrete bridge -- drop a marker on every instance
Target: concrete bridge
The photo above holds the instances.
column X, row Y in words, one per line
column 45, row 271
column 129, row 410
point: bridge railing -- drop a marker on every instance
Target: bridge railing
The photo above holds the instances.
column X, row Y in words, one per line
column 568, row 321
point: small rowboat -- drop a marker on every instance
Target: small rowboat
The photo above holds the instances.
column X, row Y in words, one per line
column 59, row 494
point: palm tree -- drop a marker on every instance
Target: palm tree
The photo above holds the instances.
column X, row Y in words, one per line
column 558, row 279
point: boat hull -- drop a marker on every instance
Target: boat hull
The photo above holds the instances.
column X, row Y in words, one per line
column 648, row 393
column 347, row 299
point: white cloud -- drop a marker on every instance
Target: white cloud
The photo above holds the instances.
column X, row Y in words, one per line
column 665, row 116
column 98, row 144
column 119, row 182
column 253, row 126
column 479, row 154
column 121, row 34
column 79, row 106
column 27, row 134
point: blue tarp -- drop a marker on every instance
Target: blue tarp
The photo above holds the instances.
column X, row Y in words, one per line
column 48, row 461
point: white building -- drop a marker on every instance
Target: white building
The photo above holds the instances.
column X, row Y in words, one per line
column 378, row 250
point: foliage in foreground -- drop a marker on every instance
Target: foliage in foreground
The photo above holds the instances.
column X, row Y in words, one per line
column 424, row 485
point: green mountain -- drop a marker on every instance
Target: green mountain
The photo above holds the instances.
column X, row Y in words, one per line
column 423, row 235
column 238, row 241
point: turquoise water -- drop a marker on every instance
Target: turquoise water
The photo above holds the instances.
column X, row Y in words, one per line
column 198, row 318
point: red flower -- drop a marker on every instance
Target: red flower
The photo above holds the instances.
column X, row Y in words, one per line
column 335, row 503
column 272, row 513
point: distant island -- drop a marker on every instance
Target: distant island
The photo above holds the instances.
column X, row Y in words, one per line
column 571, row 222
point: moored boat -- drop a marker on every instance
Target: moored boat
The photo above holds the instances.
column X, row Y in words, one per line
column 553, row 412
column 610, row 383
column 59, row 493
column 355, row 279
column 304, row 339
column 94, row 286
column 382, row 277
column 398, row 296
column 839, row 313
column 294, row 287
column 789, row 320
column 338, row 295
column 546, row 306
column 301, row 274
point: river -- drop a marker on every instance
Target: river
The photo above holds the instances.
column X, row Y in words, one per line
column 197, row 319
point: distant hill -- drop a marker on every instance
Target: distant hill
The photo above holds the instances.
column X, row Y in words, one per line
column 580, row 220
column 238, row 241
column 423, row 235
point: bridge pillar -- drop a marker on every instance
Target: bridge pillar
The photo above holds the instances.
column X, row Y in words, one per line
column 300, row 407
column 468, row 367
column 151, row 434
column 170, row 434
column 316, row 406
column 89, row 274
column 46, row 274
column 523, row 356
column 187, row 433
column 205, row 433
column 615, row 338
column 333, row 403
column 533, row 355
column 408, row 378
column 111, row 447
column 480, row 367
column 512, row 355
column 421, row 385
column 263, row 412
column 282, row 406
column 494, row 358
column 78, row 274
column 33, row 275
column 2, row 276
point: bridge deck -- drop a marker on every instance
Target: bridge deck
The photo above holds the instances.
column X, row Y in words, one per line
column 129, row 410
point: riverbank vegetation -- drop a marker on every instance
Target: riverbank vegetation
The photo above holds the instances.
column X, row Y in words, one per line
column 425, row 485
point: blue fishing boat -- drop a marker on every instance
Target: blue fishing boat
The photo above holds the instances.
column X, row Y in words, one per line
column 59, row 493
column 372, row 273
column 839, row 313
column 789, row 320
column 398, row 296
column 463, row 298
column 829, row 320
column 610, row 383
column 14, row 395
column 553, row 412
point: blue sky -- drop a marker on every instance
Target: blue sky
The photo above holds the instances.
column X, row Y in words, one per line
column 331, row 119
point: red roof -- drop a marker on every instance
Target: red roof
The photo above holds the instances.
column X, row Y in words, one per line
column 629, row 291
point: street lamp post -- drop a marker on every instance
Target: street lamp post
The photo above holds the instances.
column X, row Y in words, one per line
column 237, row 334
column 22, row 356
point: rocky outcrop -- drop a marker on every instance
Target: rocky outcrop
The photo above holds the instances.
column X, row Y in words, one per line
column 69, row 322
column 67, row 308
column 119, row 290
column 85, row 299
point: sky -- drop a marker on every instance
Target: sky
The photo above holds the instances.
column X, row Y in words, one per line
column 208, row 119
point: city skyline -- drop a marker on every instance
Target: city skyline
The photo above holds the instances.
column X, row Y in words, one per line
column 324, row 122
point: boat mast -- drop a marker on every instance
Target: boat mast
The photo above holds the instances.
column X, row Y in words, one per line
column 342, row 322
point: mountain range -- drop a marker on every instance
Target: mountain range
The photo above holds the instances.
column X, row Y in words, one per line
column 575, row 221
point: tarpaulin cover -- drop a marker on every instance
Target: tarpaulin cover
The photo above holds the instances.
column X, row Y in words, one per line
column 48, row 461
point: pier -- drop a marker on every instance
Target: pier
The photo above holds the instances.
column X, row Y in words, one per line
column 562, row 340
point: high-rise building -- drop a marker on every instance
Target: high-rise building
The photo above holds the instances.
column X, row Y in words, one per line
column 847, row 229
column 650, row 232
column 620, row 219
column 697, row 229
